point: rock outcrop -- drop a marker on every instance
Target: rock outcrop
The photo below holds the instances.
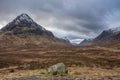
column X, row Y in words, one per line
column 59, row 68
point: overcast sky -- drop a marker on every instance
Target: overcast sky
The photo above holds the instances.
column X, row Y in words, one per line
column 74, row 19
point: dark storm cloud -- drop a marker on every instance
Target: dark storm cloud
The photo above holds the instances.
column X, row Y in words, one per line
column 71, row 18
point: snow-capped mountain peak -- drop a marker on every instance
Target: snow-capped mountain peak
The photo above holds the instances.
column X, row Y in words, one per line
column 23, row 18
column 23, row 24
column 115, row 30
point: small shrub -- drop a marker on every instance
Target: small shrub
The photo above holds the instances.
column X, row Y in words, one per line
column 54, row 73
column 42, row 73
column 12, row 71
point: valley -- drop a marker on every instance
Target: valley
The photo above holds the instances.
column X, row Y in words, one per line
column 27, row 50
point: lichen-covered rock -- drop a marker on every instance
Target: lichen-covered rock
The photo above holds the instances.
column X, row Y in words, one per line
column 59, row 68
column 25, row 66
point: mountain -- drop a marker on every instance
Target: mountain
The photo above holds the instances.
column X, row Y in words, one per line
column 108, row 37
column 24, row 24
column 25, row 32
column 65, row 40
column 85, row 41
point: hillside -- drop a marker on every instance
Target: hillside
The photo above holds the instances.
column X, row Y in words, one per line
column 108, row 38
column 24, row 32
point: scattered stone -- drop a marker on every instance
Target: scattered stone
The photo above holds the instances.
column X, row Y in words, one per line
column 59, row 68
column 25, row 66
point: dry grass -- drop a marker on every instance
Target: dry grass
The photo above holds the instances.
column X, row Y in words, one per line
column 93, row 72
column 44, row 57
column 83, row 61
column 73, row 72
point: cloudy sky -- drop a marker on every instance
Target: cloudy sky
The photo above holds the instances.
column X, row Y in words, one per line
column 74, row 19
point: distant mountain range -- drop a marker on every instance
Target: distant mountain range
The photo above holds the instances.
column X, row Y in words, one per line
column 110, row 37
column 65, row 40
column 24, row 32
column 85, row 42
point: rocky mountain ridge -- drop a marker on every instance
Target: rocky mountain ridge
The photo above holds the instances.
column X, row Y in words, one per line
column 23, row 24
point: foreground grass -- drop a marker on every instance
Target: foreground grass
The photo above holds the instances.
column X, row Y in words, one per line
column 73, row 72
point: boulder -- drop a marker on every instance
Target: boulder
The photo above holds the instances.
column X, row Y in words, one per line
column 59, row 68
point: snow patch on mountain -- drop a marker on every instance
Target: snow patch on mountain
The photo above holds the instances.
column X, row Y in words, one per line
column 23, row 18
column 115, row 30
